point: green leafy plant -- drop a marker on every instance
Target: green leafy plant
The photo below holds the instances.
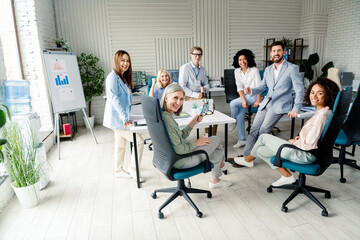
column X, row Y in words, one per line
column 20, row 154
column 3, row 116
column 63, row 43
column 325, row 69
column 287, row 42
column 194, row 106
column 92, row 77
column 307, row 66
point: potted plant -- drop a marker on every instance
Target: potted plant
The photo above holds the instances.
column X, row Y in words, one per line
column 3, row 140
column 62, row 43
column 288, row 45
column 308, row 66
column 92, row 78
column 20, row 154
column 194, row 109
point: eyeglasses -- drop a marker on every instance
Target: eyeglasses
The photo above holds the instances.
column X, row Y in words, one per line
column 197, row 55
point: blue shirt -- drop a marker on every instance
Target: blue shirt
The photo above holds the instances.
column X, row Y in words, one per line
column 118, row 102
column 192, row 78
column 158, row 92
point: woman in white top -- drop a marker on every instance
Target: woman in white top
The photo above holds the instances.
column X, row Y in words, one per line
column 321, row 94
column 246, row 75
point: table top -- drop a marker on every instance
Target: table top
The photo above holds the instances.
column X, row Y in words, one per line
column 215, row 118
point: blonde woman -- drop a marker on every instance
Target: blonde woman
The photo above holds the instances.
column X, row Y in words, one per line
column 162, row 80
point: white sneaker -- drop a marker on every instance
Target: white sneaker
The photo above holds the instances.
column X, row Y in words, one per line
column 133, row 174
column 283, row 181
column 220, row 184
column 239, row 144
column 122, row 174
column 232, row 126
column 241, row 161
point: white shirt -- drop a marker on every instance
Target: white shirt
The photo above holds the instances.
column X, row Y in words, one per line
column 250, row 79
column 276, row 71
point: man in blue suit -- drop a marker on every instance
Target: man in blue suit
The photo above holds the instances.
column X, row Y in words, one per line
column 285, row 96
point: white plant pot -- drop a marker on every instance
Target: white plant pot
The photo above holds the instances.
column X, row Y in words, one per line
column 91, row 120
column 28, row 196
column 193, row 111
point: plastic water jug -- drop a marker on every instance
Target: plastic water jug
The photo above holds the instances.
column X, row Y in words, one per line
column 17, row 96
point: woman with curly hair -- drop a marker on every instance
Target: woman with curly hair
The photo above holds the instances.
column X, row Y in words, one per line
column 321, row 94
column 246, row 75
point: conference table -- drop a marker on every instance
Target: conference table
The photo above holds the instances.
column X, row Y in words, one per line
column 216, row 118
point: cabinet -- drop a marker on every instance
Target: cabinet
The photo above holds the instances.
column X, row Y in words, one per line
column 69, row 117
column 296, row 52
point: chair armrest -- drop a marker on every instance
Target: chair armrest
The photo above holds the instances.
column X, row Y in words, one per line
column 277, row 161
column 198, row 152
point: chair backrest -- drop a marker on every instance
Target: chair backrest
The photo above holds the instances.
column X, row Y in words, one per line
column 333, row 74
column 150, row 81
column 164, row 154
column 324, row 152
column 230, row 85
column 351, row 125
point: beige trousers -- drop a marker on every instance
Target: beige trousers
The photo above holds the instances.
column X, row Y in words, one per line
column 121, row 139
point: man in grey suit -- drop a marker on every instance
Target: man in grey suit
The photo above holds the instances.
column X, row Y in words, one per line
column 285, row 96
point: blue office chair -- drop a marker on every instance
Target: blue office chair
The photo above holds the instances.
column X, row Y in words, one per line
column 349, row 136
column 323, row 154
column 165, row 157
column 150, row 81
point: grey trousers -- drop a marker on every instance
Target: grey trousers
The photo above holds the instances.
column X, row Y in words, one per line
column 265, row 120
column 267, row 146
column 215, row 153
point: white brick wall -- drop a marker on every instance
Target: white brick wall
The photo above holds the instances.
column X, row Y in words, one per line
column 36, row 30
column 343, row 38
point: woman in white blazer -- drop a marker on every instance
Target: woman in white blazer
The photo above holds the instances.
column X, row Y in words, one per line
column 117, row 112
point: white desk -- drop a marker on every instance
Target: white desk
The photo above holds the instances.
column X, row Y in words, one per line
column 208, row 120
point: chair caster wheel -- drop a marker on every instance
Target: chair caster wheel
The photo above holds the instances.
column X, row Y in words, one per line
column 225, row 172
column 153, row 195
column 199, row 214
column 209, row 195
column 328, row 195
column 284, row 209
column 342, row 180
column 269, row 189
column 160, row 215
column 324, row 213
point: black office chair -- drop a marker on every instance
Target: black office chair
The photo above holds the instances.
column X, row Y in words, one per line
column 165, row 157
column 323, row 154
column 230, row 85
column 349, row 136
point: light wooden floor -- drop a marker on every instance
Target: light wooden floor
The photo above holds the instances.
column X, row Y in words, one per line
column 85, row 201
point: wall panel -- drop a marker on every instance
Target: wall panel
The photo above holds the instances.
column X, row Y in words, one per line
column 251, row 22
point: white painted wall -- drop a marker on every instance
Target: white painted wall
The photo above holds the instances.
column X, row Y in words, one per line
column 36, row 30
column 343, row 35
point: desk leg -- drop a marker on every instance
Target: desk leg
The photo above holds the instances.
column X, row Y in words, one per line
column 226, row 141
column 136, row 160
column 292, row 128
column 197, row 133
column 58, row 132
column 210, row 131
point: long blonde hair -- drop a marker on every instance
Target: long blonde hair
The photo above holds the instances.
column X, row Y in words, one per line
column 158, row 82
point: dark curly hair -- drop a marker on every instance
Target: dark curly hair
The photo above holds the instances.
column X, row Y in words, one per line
column 250, row 57
column 331, row 90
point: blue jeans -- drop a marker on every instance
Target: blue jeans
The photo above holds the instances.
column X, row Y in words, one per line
column 238, row 113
